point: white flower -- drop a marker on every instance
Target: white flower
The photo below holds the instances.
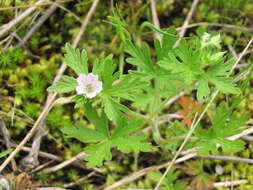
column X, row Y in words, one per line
column 208, row 40
column 218, row 170
column 89, row 85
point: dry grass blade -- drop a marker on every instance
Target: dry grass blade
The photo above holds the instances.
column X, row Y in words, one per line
column 65, row 163
column 186, row 22
column 144, row 171
column 155, row 18
column 234, row 27
column 6, row 27
column 33, row 5
column 38, row 24
column 230, row 183
column 79, row 181
column 6, row 136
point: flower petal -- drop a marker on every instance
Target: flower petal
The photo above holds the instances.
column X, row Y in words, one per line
column 92, row 77
column 80, row 90
column 91, row 94
column 99, row 87
column 89, row 85
column 81, row 79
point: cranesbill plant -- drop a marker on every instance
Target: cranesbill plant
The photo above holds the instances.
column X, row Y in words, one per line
column 197, row 65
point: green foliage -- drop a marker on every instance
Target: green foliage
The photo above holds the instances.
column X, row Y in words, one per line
column 125, row 87
column 202, row 64
column 196, row 64
column 76, row 59
column 146, row 94
column 113, row 109
column 43, row 177
column 5, row 59
column 35, row 87
column 121, row 137
column 126, row 143
column 56, row 118
column 128, row 86
column 106, row 69
column 83, row 134
column 11, row 58
column 170, row 182
column 67, row 84
column 177, row 129
column 31, row 110
column 4, row 153
column 225, row 123
column 98, row 153
column 100, row 122
column 102, row 150
column 140, row 56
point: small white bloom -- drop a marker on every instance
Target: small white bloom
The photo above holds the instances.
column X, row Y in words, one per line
column 89, row 85
column 218, row 169
column 208, row 40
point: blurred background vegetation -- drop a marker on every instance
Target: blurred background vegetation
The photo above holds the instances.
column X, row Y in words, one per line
column 26, row 71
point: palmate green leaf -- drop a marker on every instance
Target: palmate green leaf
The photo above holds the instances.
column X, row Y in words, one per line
column 143, row 100
column 84, row 134
column 4, row 153
column 117, row 21
column 203, row 89
column 212, row 146
column 124, row 129
column 98, row 153
column 132, row 144
column 183, row 61
column 123, row 140
column 76, row 59
column 113, row 109
column 106, row 69
column 140, row 56
column 166, row 46
column 127, row 88
column 225, row 85
column 67, row 84
column 100, row 122
column 192, row 65
column 222, row 83
column 225, row 123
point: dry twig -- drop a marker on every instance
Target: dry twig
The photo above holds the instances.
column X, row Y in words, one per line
column 230, row 183
column 33, row 5
column 155, row 18
column 65, row 163
column 144, row 171
column 38, row 24
column 6, row 27
column 234, row 27
column 50, row 156
column 79, row 181
column 186, row 22
column 7, row 141
column 31, row 161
